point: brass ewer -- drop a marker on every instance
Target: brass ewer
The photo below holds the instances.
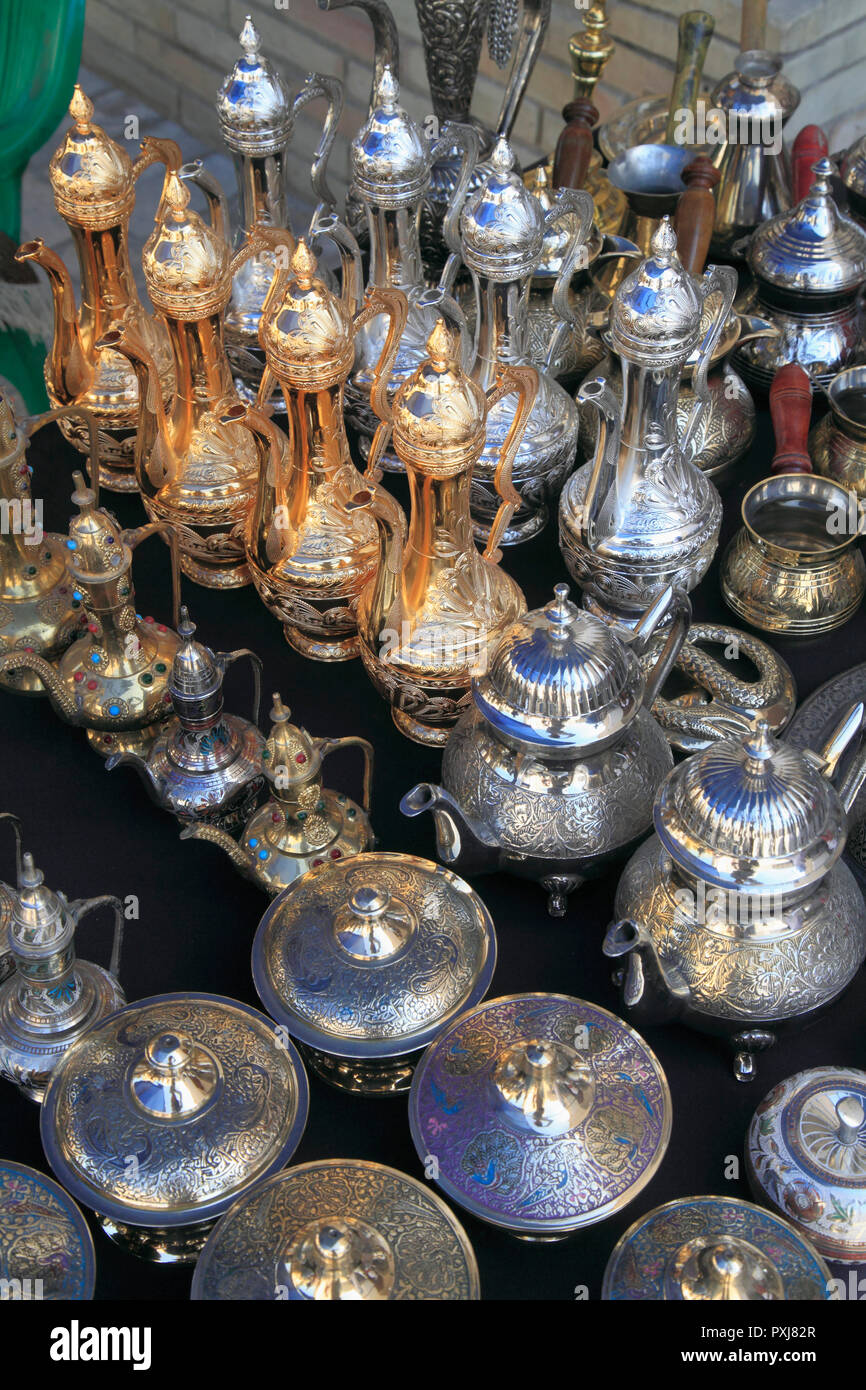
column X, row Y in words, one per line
column 94, row 180
column 195, row 471
column 437, row 608
column 113, row 680
column 309, row 556
column 302, row 825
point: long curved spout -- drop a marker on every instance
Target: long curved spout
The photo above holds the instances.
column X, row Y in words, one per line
column 602, row 479
column 152, row 421
column 652, row 992
column 142, row 768
column 69, row 371
column 219, row 837
column 66, row 704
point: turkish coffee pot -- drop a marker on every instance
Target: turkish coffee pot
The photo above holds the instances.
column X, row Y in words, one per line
column 502, row 234
column 257, row 116
column 53, row 995
column 308, row 555
column 196, row 472
column 437, row 607
column 837, row 444
column 641, row 515
column 302, row 825
column 391, row 162
column 113, row 679
column 552, row 771
column 809, row 266
column 204, row 765
column 93, row 180
column 738, row 916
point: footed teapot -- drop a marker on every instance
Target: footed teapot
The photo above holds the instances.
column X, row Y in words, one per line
column 738, row 915
column 302, row 825
column 553, row 771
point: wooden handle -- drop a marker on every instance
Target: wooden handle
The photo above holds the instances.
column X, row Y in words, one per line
column 753, row 25
column 810, row 146
column 574, row 146
column 791, row 409
column 696, row 213
column 695, row 29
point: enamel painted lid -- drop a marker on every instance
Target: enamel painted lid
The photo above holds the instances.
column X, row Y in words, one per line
column 339, row 1229
column 45, row 1243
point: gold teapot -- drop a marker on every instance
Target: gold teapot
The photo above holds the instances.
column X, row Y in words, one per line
column 94, row 180
column 303, row 824
column 113, row 680
column 309, row 556
column 437, row 607
column 195, row 471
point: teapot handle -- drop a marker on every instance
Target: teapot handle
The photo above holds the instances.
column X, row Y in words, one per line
column 465, row 138
column 217, row 202
column 81, row 906
column 70, row 412
column 674, row 604
column 331, row 89
column 523, row 381
column 16, row 830
column 226, row 659
column 326, row 746
column 848, row 728
column 578, row 204
column 328, row 224
column 134, row 538
column 720, row 279
column 395, row 304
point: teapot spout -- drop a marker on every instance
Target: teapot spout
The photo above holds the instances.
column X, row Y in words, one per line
column 652, row 992
column 215, row 836
column 141, row 766
column 66, row 704
column 68, row 370
column 456, row 841
column 598, row 394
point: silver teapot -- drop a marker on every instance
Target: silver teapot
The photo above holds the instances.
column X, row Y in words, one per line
column 552, row 772
column 738, row 916
column 641, row 515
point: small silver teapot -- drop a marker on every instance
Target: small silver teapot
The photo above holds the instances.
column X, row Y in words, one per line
column 738, row 915
column 553, row 770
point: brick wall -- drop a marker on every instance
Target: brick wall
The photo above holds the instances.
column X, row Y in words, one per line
column 175, row 55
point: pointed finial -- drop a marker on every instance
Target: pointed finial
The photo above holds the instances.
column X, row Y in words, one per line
column 249, row 38
column 664, row 241
column 759, row 744
column 388, row 91
column 441, row 347
column 280, row 713
column 31, row 877
column 540, row 180
column 186, row 627
column 502, row 157
column 561, row 611
column 83, row 496
column 176, row 195
column 303, row 264
column 81, row 108
column 823, row 170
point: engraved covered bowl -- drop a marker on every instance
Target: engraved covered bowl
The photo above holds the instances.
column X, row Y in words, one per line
column 339, row 1229
column 365, row 961
column 166, row 1112
column 806, row 1158
column 540, row 1114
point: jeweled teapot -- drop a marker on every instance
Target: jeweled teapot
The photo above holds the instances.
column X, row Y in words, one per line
column 53, row 996
column 738, row 915
column 437, row 607
column 302, row 824
column 502, row 232
column 195, row 472
column 640, row 516
column 37, row 610
column 391, row 163
column 552, row 772
column 309, row 556
column 94, row 180
column 113, row 680
column 204, row 765
column 257, row 116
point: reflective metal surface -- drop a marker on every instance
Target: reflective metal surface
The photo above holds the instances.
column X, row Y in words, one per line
column 813, row 724
column 46, row 1249
column 339, row 1229
column 837, row 444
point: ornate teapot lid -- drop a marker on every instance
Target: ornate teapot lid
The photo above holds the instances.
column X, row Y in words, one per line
column 390, row 157
column 502, row 224
column 543, row 1113
column 752, row 815
column 806, row 1157
column 47, row 1245
column 187, row 265
column 91, row 174
column 201, row 1092
column 657, row 308
column 714, row 1249
column 290, row 756
column 439, row 412
column 253, row 104
column 813, row 248
column 95, row 545
column 305, row 330
column 338, row 1229
column 196, row 680
column 757, row 89
column 560, row 678
column 373, row 956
